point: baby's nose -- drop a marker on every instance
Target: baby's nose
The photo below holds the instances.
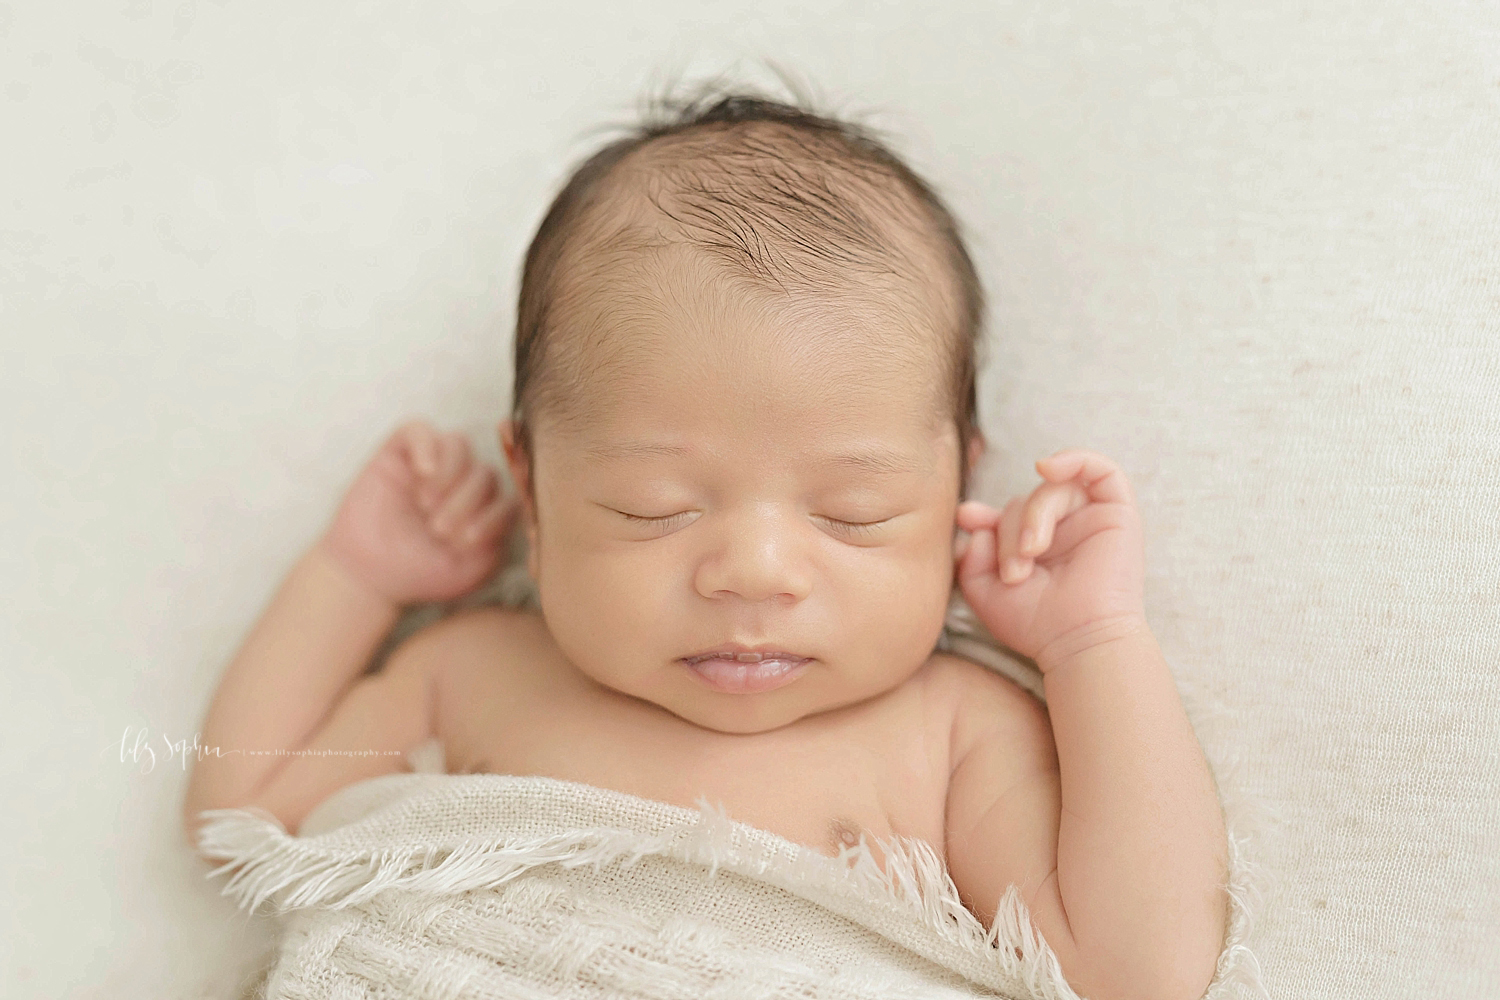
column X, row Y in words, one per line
column 758, row 557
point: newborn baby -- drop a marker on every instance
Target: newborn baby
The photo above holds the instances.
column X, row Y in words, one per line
column 744, row 424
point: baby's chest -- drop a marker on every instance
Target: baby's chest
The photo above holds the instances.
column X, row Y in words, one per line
column 874, row 773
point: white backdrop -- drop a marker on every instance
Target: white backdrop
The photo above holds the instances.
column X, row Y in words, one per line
column 1249, row 250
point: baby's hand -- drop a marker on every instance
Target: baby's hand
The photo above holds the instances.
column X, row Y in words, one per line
column 423, row 521
column 1061, row 569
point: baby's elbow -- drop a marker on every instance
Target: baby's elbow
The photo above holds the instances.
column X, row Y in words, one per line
column 1187, row 980
column 1186, row 973
column 1184, row 970
column 1183, row 973
column 1192, row 967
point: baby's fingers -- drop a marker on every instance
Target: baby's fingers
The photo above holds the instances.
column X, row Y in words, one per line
column 972, row 515
column 420, row 443
column 1101, row 478
column 452, row 464
column 979, row 555
column 1049, row 503
column 475, row 490
column 1014, row 565
column 493, row 521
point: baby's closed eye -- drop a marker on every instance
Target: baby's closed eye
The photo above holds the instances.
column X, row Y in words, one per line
column 863, row 527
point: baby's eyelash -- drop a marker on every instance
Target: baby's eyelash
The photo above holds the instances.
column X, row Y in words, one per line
column 857, row 527
column 649, row 520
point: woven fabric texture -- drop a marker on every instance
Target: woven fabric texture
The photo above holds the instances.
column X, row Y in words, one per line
column 430, row 885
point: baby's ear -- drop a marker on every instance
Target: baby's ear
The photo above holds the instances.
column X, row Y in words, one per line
column 515, row 459
column 511, row 445
column 977, row 444
column 508, row 439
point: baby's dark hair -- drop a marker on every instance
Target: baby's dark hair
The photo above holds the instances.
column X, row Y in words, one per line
column 783, row 227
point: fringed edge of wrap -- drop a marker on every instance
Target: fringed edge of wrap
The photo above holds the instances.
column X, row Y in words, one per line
column 269, row 865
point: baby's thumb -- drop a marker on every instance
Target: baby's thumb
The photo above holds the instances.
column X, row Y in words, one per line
column 960, row 544
column 977, row 571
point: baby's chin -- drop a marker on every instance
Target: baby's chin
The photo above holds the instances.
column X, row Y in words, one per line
column 708, row 725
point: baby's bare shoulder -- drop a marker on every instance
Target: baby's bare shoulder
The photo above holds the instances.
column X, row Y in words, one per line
column 473, row 637
column 982, row 705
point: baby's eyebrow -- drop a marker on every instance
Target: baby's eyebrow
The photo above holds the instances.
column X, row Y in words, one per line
column 879, row 461
column 875, row 460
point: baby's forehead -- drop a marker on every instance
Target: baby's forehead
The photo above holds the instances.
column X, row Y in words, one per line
column 681, row 310
column 686, row 340
column 875, row 457
column 642, row 270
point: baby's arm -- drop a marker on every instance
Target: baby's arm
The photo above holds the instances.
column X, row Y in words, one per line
column 1141, row 849
column 421, row 522
column 1110, row 828
column 313, row 641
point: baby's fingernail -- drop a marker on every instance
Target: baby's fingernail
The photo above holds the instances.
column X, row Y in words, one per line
column 1012, row 570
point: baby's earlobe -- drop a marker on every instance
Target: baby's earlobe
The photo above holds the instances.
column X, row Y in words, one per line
column 508, row 444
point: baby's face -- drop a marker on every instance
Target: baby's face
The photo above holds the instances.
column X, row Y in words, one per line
column 752, row 437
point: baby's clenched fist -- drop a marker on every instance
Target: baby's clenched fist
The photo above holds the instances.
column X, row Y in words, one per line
column 423, row 521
